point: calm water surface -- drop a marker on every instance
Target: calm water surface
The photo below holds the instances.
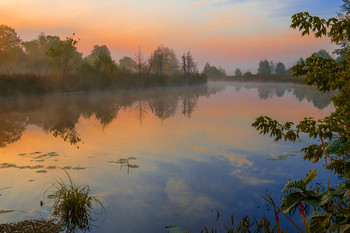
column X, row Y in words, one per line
column 191, row 151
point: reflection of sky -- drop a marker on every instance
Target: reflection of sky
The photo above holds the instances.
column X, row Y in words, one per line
column 188, row 167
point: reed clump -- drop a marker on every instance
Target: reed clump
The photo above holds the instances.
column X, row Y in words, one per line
column 73, row 205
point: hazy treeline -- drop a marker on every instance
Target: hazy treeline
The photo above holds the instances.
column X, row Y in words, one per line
column 270, row 68
column 50, row 63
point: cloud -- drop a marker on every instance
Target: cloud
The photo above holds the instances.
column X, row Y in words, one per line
column 254, row 181
column 194, row 203
column 236, row 159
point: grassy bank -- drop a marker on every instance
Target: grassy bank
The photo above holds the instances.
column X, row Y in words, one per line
column 25, row 84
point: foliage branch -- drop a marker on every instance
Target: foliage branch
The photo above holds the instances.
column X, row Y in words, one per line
column 331, row 204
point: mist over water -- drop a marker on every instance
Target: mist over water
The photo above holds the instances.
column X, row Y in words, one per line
column 189, row 151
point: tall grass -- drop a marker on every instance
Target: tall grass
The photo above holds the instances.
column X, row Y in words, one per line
column 73, row 205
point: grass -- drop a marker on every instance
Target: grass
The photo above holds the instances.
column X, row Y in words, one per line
column 73, row 205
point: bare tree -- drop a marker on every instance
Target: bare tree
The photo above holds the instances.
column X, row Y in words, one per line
column 140, row 62
column 188, row 65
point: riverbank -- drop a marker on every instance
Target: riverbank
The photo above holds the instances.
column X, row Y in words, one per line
column 261, row 78
column 32, row 226
column 28, row 84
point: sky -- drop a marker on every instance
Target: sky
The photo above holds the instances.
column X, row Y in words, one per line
column 227, row 33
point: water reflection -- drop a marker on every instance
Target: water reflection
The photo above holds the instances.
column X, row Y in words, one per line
column 149, row 163
column 59, row 115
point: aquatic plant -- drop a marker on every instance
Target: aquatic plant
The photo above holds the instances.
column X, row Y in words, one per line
column 247, row 225
column 73, row 205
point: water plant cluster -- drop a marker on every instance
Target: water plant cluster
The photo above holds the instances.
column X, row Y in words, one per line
column 73, row 205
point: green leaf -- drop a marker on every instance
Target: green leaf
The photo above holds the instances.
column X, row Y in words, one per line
column 290, row 200
column 310, row 176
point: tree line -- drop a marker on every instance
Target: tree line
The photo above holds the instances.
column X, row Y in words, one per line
column 59, row 62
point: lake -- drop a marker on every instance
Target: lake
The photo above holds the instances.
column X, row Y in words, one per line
column 156, row 157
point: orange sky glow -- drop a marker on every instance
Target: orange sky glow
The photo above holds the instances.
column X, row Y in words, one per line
column 226, row 33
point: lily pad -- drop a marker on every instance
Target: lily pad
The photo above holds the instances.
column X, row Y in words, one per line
column 282, row 156
column 51, row 196
column 7, row 165
column 41, row 171
column 6, row 211
column 174, row 229
column 79, row 168
column 35, row 153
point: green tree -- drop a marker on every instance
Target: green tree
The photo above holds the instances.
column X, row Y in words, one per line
column 36, row 59
column 127, row 65
column 64, row 56
column 213, row 71
column 10, row 48
column 265, row 67
column 238, row 72
column 345, row 44
column 101, row 60
column 323, row 53
column 188, row 65
column 329, row 201
column 247, row 74
column 164, row 61
column 280, row 69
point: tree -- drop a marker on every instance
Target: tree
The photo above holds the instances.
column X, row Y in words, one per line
column 280, row 69
column 101, row 60
column 247, row 74
column 238, row 72
column 265, row 68
column 300, row 60
column 212, row 71
column 164, row 60
column 323, row 53
column 344, row 44
column 188, row 65
column 10, row 48
column 140, row 63
column 127, row 65
column 36, row 59
column 329, row 201
column 64, row 56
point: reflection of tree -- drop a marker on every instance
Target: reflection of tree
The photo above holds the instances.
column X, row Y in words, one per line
column 106, row 114
column 265, row 93
column 319, row 100
column 60, row 121
column 299, row 93
column 164, row 108
column 189, row 102
column 63, row 125
column 280, row 91
column 11, row 128
column 141, row 110
column 60, row 114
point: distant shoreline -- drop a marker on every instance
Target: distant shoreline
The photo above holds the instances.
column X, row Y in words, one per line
column 260, row 78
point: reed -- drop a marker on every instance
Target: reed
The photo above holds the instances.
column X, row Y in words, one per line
column 73, row 205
